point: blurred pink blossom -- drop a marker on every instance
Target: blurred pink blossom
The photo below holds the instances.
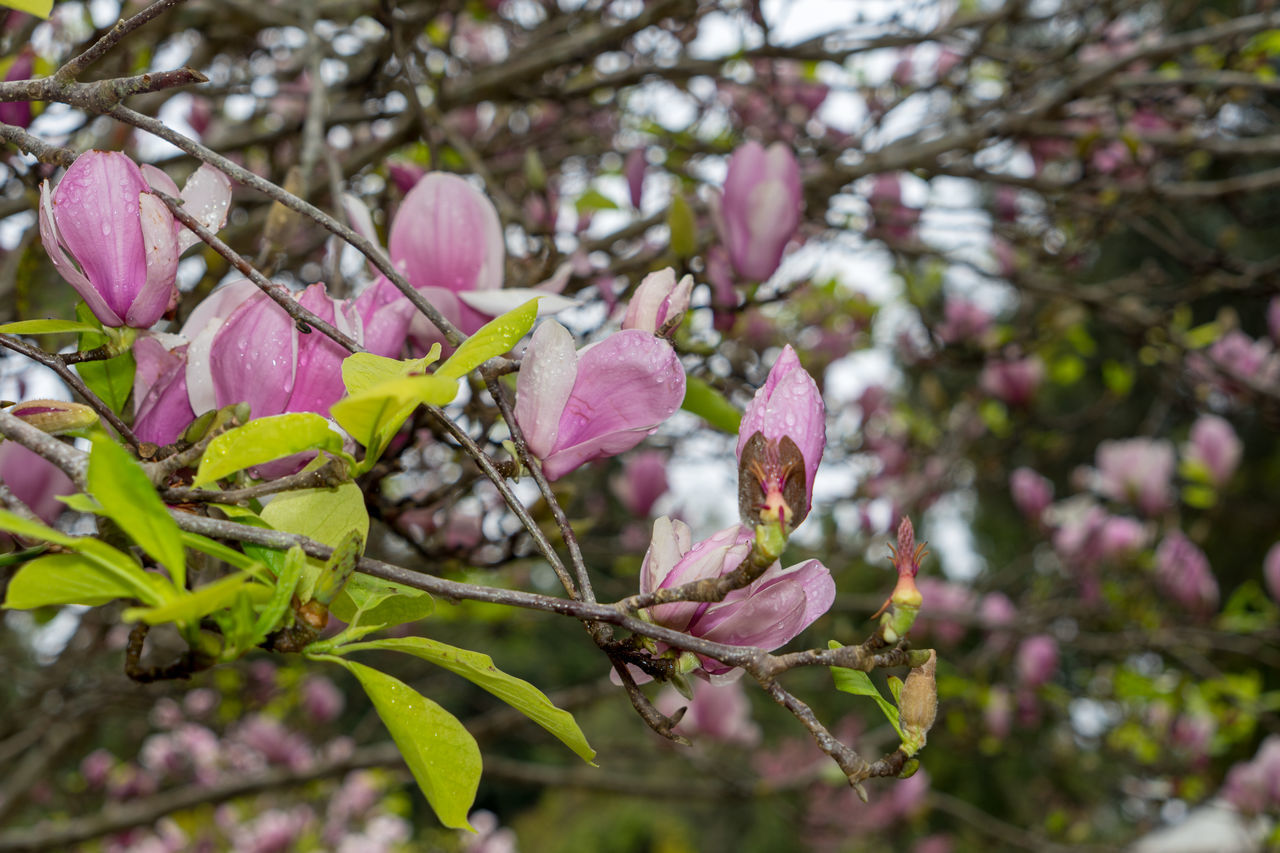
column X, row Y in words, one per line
column 1137, row 471
column 1213, row 448
column 643, row 480
column 1031, row 492
column 1183, row 571
column 1013, row 381
column 1271, row 571
column 1037, row 660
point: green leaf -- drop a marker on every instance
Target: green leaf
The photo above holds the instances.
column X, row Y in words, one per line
column 441, row 754
column 272, row 616
column 226, row 554
column 189, row 608
column 47, row 327
column 112, row 379
column 363, row 370
column 710, row 405
column 64, row 579
column 39, row 8
column 684, row 229
column 325, row 515
column 128, row 498
column 495, row 337
column 262, row 440
column 370, row 603
column 375, row 415
column 81, row 503
column 858, row 683
column 126, row 574
column 479, row 669
column 593, row 199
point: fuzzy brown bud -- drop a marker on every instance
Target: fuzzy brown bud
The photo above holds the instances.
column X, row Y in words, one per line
column 919, row 704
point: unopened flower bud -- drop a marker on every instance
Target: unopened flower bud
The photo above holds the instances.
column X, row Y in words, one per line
column 919, row 705
column 341, row 563
column 55, row 416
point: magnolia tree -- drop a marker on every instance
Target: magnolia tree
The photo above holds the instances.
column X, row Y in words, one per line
column 470, row 322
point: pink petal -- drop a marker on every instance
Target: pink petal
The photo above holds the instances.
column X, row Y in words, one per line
column 447, row 234
column 318, row 379
column 161, row 248
column 253, row 357
column 66, row 265
column 543, row 386
column 207, row 197
column 96, row 209
column 627, row 385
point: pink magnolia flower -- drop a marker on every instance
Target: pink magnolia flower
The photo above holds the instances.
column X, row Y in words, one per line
column 1138, row 471
column 963, row 321
column 720, row 712
column 1031, row 492
column 1183, row 571
column 254, row 353
column 760, row 209
column 18, row 113
column 1214, row 448
column 115, row 242
column 767, row 613
column 1094, row 535
column 1273, row 319
column 161, row 405
column 34, row 480
column 447, row 240
column 787, row 407
column 576, row 406
column 1037, row 660
column 642, row 482
column 658, row 299
column 1253, row 786
column 1271, row 571
column 1012, row 381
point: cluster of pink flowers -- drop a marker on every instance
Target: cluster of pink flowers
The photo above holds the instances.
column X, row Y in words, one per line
column 781, row 603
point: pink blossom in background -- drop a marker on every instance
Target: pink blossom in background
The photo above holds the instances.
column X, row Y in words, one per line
column 963, row 321
column 1183, row 572
column 997, row 712
column 943, row 602
column 768, row 612
column 891, row 220
column 1137, row 471
column 18, row 113
column 34, row 480
column 1253, row 787
column 760, row 208
column 718, row 712
column 643, row 480
column 633, row 170
column 1037, row 660
column 404, row 175
column 1031, row 492
column 1214, row 448
column 321, row 700
column 576, row 406
column 1273, row 319
column 115, row 242
column 1013, row 381
column 1271, row 571
column 1093, row 535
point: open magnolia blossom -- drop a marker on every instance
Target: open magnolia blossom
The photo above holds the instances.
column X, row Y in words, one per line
column 578, row 405
column 447, row 240
column 769, row 612
column 239, row 346
column 117, row 243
